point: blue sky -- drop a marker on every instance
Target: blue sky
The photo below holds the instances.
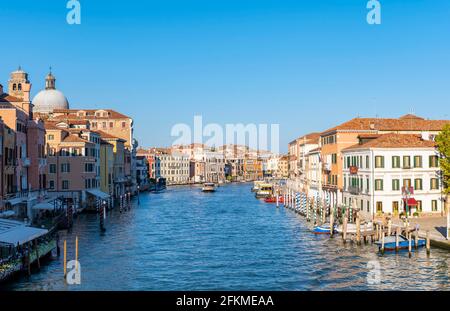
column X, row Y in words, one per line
column 306, row 65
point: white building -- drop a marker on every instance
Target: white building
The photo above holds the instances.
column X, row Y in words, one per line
column 174, row 167
column 377, row 170
column 313, row 174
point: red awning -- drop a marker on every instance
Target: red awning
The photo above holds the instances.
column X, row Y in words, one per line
column 411, row 202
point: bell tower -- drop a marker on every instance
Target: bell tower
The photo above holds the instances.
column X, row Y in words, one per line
column 19, row 86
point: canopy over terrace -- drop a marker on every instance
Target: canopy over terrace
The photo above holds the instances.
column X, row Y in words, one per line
column 16, row 232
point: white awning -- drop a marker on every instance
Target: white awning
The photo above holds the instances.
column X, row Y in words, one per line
column 13, row 232
column 44, row 206
column 98, row 193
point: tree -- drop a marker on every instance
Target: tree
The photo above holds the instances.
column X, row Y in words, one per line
column 443, row 145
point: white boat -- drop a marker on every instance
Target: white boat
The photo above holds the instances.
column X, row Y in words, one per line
column 351, row 228
column 209, row 187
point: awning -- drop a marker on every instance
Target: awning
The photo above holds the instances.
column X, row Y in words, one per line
column 13, row 232
column 7, row 214
column 15, row 201
column 45, row 206
column 410, row 202
column 98, row 193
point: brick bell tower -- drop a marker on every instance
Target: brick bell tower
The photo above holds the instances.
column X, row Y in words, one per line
column 19, row 86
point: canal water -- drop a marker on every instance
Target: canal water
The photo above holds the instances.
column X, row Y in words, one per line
column 184, row 239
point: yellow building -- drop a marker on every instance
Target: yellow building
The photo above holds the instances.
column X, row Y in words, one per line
column 107, row 167
column 118, row 172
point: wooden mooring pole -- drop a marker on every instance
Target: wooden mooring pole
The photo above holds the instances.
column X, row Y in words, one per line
column 409, row 244
column 397, row 239
column 428, row 243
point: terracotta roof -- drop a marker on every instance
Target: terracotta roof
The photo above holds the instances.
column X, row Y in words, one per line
column 393, row 140
column 72, row 114
column 405, row 123
column 6, row 98
column 75, row 139
column 105, row 135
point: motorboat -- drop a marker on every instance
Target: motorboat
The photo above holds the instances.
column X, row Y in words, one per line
column 403, row 243
column 323, row 229
column 209, row 187
column 351, row 227
column 274, row 199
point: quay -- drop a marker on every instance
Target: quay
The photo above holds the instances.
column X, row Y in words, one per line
column 375, row 229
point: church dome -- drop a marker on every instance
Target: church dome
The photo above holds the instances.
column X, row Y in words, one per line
column 49, row 99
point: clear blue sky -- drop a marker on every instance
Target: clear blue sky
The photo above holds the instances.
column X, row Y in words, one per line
column 306, row 65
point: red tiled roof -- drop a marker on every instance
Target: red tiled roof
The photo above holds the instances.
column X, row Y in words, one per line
column 72, row 114
column 107, row 135
column 6, row 98
column 405, row 123
column 393, row 140
column 75, row 139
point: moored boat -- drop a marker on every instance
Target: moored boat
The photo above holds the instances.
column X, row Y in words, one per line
column 351, row 228
column 403, row 243
column 323, row 229
column 274, row 199
column 265, row 191
column 257, row 185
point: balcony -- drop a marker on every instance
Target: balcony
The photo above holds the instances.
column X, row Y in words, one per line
column 42, row 162
column 354, row 190
column 327, row 167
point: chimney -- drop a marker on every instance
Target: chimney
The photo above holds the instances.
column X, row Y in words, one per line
column 1, row 89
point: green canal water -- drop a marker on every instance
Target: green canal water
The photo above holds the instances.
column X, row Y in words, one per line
column 184, row 239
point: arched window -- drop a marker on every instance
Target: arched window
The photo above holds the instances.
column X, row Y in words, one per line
column 14, row 87
column 19, row 87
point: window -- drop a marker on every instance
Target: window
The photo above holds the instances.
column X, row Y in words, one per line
column 51, row 137
column 52, row 168
column 51, row 184
column 395, row 207
column 89, row 167
column 367, row 162
column 124, row 124
column 65, row 168
column 406, row 162
column 417, row 161
column 434, row 161
column 395, row 162
column 379, row 162
column 419, row 206
column 407, row 183
column 379, row 207
column 19, row 87
column 111, row 124
column 334, row 158
column 418, row 184
column 395, row 184
column 434, row 205
column 368, row 206
column 65, row 184
column 434, row 184
column 379, row 184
